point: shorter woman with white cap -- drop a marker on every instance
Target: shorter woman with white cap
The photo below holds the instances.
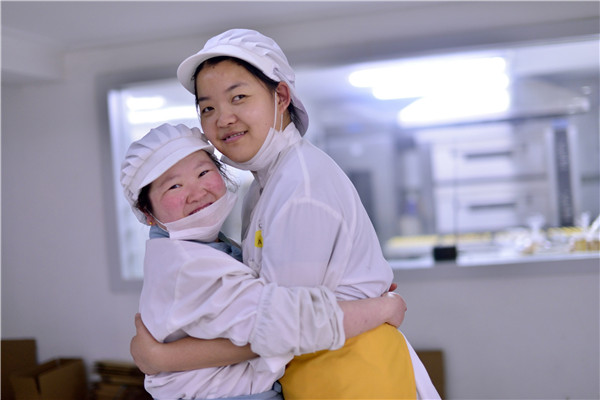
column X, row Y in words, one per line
column 194, row 287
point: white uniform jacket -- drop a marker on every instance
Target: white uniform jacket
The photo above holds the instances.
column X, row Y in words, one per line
column 311, row 225
column 304, row 225
column 191, row 289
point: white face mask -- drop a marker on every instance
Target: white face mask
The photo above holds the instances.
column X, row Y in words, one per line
column 203, row 225
column 267, row 152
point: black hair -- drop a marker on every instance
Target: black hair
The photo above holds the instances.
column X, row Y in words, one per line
column 268, row 82
column 143, row 202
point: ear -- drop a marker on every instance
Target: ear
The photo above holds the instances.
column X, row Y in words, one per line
column 283, row 96
column 149, row 218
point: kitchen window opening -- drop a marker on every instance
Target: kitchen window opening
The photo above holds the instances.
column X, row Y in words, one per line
column 525, row 165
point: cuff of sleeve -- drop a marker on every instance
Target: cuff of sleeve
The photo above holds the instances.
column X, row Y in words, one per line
column 274, row 364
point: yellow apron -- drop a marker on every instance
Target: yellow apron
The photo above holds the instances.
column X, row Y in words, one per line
column 373, row 365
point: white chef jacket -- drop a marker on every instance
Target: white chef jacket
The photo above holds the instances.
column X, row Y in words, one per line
column 307, row 216
column 304, row 225
column 192, row 289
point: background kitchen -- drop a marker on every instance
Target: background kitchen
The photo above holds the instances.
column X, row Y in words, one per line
column 484, row 130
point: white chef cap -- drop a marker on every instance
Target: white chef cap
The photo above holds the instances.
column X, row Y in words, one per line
column 254, row 48
column 151, row 156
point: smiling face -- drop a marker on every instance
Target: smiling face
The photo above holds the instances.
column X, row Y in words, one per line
column 236, row 109
column 187, row 187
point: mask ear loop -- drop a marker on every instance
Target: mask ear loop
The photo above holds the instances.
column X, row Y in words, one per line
column 158, row 223
column 275, row 118
column 281, row 123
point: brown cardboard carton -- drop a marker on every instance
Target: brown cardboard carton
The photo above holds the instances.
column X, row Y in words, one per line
column 17, row 354
column 59, row 379
column 433, row 361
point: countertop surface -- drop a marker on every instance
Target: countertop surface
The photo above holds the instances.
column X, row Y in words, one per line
column 479, row 259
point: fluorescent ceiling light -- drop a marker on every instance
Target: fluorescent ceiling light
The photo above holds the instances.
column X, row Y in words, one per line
column 412, row 79
column 446, row 89
column 452, row 108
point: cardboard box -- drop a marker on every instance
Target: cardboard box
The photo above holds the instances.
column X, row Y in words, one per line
column 433, row 361
column 59, row 379
column 17, row 354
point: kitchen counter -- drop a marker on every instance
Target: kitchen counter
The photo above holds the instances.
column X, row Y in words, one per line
column 510, row 248
column 484, row 266
column 479, row 259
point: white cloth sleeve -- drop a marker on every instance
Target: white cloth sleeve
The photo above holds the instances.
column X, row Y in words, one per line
column 320, row 250
column 296, row 321
column 309, row 253
column 215, row 296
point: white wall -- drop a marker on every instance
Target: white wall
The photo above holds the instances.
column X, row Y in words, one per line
column 57, row 229
column 57, row 246
column 520, row 331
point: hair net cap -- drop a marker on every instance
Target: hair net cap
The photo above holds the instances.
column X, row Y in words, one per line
column 151, row 156
column 254, row 48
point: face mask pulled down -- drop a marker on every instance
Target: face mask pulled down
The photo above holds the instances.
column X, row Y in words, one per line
column 203, row 225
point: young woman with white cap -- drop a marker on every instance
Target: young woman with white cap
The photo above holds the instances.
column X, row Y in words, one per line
column 194, row 286
column 303, row 222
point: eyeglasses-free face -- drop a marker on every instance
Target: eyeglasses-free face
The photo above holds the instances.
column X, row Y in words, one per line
column 236, row 109
column 187, row 187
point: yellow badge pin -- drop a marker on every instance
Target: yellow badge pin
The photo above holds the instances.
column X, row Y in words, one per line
column 258, row 240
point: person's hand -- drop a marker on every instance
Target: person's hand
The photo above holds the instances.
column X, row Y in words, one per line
column 142, row 347
column 397, row 307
